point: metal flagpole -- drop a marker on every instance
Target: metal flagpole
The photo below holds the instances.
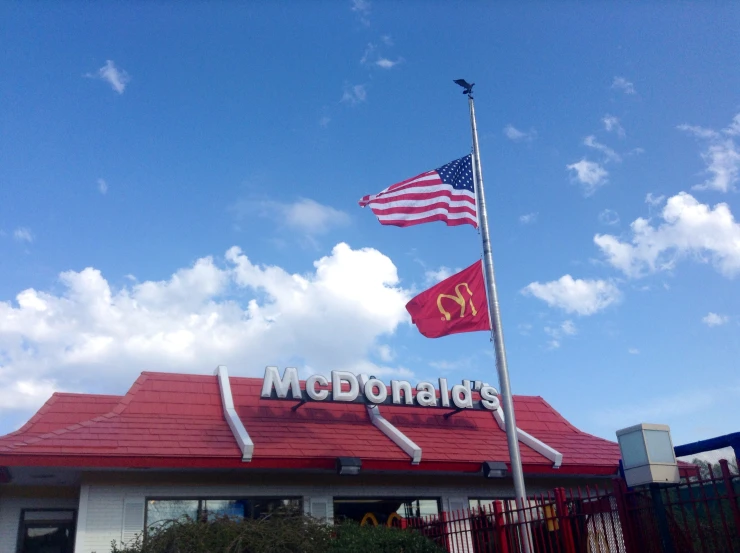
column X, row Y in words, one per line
column 496, row 328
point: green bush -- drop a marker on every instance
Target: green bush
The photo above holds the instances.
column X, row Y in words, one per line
column 351, row 537
column 275, row 534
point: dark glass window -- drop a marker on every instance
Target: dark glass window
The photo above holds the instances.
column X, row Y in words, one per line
column 46, row 531
column 159, row 511
column 383, row 511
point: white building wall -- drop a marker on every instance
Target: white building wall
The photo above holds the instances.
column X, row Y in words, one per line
column 10, row 512
column 104, row 517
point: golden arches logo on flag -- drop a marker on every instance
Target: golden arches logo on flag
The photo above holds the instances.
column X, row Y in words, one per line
column 459, row 300
column 457, row 304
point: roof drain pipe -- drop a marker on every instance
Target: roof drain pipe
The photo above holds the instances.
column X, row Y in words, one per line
column 530, row 441
column 232, row 418
column 391, row 432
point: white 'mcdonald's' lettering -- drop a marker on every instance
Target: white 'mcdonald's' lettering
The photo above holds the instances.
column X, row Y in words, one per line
column 346, row 387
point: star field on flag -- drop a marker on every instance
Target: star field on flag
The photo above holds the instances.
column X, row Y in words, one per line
column 443, row 194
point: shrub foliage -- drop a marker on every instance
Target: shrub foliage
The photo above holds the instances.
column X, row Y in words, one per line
column 275, row 534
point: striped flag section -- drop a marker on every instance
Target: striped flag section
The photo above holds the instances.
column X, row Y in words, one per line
column 444, row 194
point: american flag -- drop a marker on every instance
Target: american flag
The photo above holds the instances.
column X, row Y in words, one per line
column 444, row 194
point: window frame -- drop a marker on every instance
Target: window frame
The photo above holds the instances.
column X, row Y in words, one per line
column 402, row 498
column 201, row 498
column 23, row 524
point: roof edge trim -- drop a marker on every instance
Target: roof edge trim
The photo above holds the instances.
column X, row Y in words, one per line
column 232, row 418
column 530, row 441
column 390, row 431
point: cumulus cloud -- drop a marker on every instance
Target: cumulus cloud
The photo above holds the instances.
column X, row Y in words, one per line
column 583, row 297
column 433, row 276
column 612, row 124
column 304, row 215
column 609, row 217
column 589, row 174
column 721, row 156
column 92, row 337
column 528, row 218
column 22, row 234
column 512, row 133
column 354, row 94
column 689, row 229
column 115, row 77
column 620, row 83
column 713, row 319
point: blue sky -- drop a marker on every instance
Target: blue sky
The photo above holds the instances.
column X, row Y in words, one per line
column 179, row 186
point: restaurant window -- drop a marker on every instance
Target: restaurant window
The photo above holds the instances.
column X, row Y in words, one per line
column 383, row 511
column 486, row 503
column 160, row 511
column 46, row 531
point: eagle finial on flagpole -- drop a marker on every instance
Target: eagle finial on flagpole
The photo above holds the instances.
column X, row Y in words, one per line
column 467, row 87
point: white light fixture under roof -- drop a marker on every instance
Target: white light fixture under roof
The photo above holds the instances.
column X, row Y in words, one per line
column 494, row 469
column 647, row 454
column 349, row 465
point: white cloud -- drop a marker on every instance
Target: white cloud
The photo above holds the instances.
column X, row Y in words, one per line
column 512, row 133
column 568, row 328
column 658, row 408
column 353, row 95
column 385, row 63
column 434, row 276
column 369, row 52
column 528, row 218
column 22, row 234
column 91, row 337
column 584, row 297
column 386, row 353
column 115, row 77
column 633, row 351
column 610, row 154
column 556, row 333
column 324, row 121
column 609, row 217
column 734, row 128
column 589, row 174
column 612, row 124
column 304, row 215
column 362, row 9
column 372, row 57
column 620, row 83
column 699, row 132
column 688, row 229
column 102, row 186
column 654, row 201
column 722, row 155
column 713, row 319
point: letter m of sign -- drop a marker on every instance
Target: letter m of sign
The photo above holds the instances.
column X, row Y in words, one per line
column 289, row 381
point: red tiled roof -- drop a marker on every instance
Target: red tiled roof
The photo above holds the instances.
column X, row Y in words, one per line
column 176, row 420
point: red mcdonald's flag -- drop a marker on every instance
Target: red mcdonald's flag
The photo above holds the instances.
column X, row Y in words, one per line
column 457, row 304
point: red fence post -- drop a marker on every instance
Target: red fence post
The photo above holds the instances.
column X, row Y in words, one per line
column 732, row 497
column 625, row 520
column 445, row 535
column 566, row 530
column 498, row 513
